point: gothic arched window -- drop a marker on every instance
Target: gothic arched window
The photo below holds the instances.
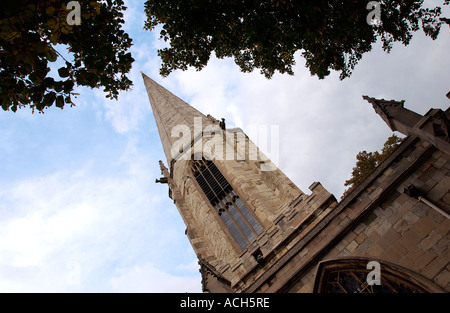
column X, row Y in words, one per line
column 240, row 221
column 350, row 275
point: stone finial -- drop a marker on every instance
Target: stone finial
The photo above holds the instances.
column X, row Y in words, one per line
column 164, row 170
column 383, row 107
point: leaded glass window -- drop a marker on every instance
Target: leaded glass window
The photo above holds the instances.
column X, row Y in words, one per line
column 350, row 276
column 240, row 221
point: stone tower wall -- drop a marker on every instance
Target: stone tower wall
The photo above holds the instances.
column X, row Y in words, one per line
column 273, row 198
column 383, row 223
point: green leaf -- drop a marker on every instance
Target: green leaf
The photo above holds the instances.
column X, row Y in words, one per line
column 58, row 86
column 50, row 10
column 40, row 106
column 63, row 72
column 68, row 86
column 20, row 86
column 66, row 29
column 51, row 55
column 49, row 98
column 29, row 34
column 60, row 102
column 49, row 81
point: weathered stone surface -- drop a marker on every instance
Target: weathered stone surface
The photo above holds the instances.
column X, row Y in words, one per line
column 377, row 221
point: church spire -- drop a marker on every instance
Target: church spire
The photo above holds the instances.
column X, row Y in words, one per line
column 173, row 114
column 394, row 114
column 433, row 127
column 241, row 212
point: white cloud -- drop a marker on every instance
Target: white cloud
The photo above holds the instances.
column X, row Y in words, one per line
column 134, row 16
column 146, row 278
column 128, row 112
column 323, row 123
column 71, row 230
column 101, row 224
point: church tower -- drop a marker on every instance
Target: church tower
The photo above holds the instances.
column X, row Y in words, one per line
column 242, row 213
column 254, row 230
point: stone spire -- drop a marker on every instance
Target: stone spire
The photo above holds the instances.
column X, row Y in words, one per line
column 394, row 114
column 170, row 113
column 433, row 127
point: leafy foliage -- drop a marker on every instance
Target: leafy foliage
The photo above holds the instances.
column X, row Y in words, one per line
column 31, row 32
column 265, row 34
column 368, row 161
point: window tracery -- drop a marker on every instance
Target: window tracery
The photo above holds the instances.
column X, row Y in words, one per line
column 240, row 221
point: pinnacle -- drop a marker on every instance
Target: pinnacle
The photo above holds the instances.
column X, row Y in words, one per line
column 172, row 115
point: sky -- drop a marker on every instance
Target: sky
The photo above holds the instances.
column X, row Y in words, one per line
column 79, row 207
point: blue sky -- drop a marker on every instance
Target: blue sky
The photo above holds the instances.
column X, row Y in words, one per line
column 80, row 208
